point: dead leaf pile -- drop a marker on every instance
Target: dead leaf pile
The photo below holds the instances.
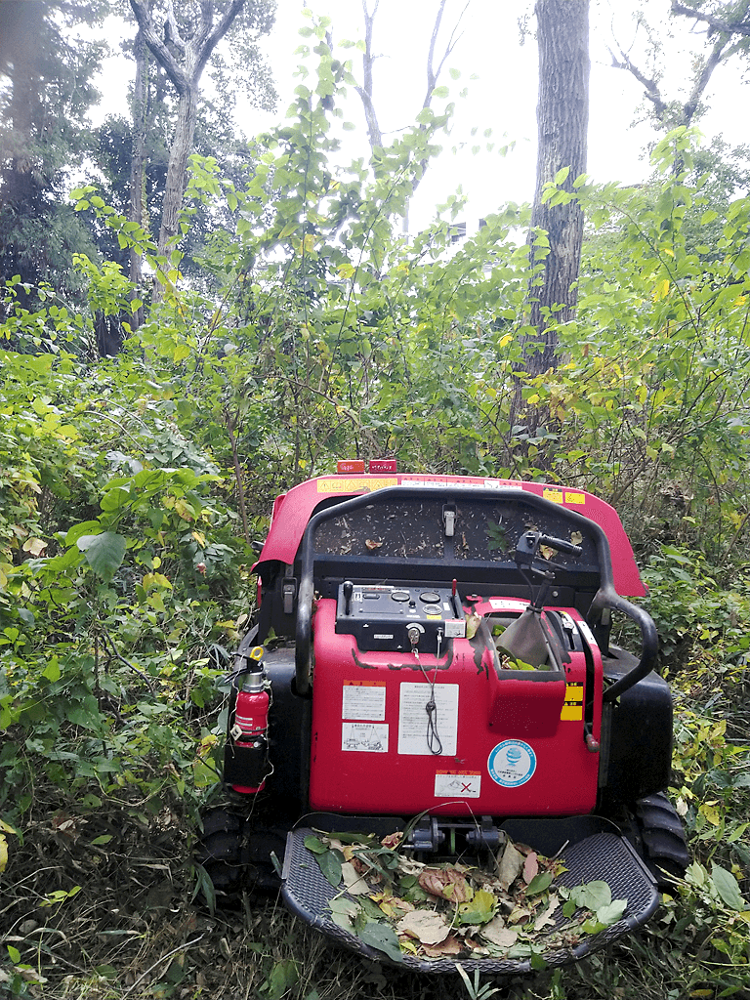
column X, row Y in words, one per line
column 511, row 909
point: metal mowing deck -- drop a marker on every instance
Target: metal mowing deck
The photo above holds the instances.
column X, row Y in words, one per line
column 604, row 856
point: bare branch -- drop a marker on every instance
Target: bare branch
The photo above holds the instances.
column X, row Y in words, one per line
column 433, row 75
column 649, row 84
column 741, row 27
column 209, row 42
column 365, row 91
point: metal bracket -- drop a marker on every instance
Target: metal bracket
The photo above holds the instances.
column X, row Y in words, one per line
column 426, row 835
column 289, row 591
column 449, row 520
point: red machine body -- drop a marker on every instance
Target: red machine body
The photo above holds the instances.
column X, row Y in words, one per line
column 509, row 743
column 438, row 651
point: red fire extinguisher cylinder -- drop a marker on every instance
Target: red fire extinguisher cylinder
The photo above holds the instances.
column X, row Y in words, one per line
column 246, row 758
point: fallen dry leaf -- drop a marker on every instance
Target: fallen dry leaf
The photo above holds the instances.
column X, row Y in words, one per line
column 448, row 883
column 497, row 933
column 425, row 926
column 510, row 865
column 472, row 624
column 530, row 867
column 451, row 946
column 546, row 918
column 392, row 840
column 353, row 880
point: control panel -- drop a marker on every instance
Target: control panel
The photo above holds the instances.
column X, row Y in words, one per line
column 401, row 618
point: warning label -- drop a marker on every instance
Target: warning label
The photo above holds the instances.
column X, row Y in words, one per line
column 563, row 496
column 365, row 737
column 363, row 700
column 354, row 485
column 457, row 784
column 572, row 710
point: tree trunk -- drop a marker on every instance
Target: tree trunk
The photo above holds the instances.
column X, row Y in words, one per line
column 562, row 125
column 183, row 60
column 137, row 211
column 179, row 154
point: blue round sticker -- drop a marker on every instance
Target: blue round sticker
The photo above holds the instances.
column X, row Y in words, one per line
column 511, row 763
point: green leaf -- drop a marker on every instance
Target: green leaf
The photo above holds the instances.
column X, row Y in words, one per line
column 727, row 887
column 479, row 909
column 14, row 954
column 344, row 912
column 104, row 552
column 540, row 883
column 52, row 673
column 593, row 895
column 383, row 938
column 330, row 864
column 84, row 528
column 288, row 229
column 283, row 977
column 315, row 845
column 612, row 912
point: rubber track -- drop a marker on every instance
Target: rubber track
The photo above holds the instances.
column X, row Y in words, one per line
column 662, row 836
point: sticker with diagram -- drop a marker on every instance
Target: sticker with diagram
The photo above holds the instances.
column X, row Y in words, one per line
column 364, row 737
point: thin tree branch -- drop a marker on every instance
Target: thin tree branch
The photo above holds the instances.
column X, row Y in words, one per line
column 174, row 951
column 365, row 92
column 741, row 27
column 649, row 84
column 434, row 75
column 209, row 43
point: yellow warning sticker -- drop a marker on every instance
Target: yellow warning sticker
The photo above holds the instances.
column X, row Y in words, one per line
column 354, row 485
column 579, row 498
column 574, row 691
column 572, row 710
column 556, row 496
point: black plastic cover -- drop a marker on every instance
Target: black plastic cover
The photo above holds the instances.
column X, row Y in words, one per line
column 638, row 749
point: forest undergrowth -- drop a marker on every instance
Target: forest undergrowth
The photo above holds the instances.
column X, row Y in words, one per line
column 134, row 490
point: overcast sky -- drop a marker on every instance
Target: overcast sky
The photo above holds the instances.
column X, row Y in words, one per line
column 503, row 95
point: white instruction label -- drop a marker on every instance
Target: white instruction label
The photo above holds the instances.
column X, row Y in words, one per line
column 458, row 784
column 425, row 730
column 455, row 628
column 500, row 604
column 363, row 700
column 365, row 737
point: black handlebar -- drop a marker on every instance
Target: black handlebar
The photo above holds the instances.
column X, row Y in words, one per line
column 608, row 598
column 561, row 545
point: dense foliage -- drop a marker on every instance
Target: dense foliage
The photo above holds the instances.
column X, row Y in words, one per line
column 132, row 489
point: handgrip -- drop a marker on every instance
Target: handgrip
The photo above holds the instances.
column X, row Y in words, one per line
column 561, row 545
column 649, row 639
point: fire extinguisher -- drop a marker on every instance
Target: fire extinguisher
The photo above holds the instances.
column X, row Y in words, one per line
column 247, row 751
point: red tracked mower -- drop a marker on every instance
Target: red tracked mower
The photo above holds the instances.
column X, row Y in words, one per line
column 439, row 647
